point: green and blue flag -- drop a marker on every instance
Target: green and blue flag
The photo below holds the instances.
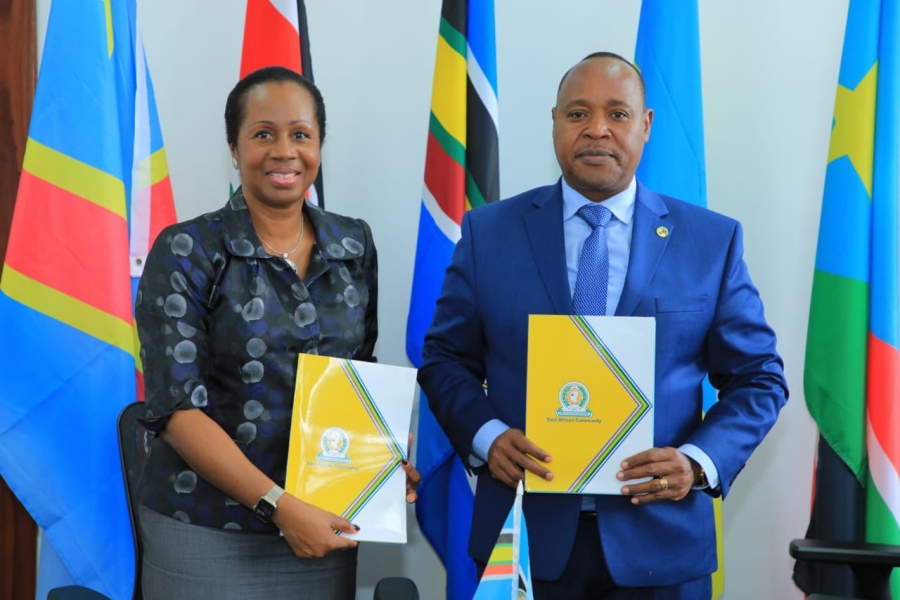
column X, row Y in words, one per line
column 851, row 378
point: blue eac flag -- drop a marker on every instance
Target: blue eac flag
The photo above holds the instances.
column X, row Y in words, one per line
column 668, row 55
column 674, row 161
column 88, row 207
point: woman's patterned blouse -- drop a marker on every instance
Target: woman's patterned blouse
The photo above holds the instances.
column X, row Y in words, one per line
column 221, row 323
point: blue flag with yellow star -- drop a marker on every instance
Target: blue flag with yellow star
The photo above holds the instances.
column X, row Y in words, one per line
column 853, row 343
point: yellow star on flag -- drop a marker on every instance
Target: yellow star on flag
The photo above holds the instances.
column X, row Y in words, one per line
column 853, row 134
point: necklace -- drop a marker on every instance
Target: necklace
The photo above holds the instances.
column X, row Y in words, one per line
column 284, row 255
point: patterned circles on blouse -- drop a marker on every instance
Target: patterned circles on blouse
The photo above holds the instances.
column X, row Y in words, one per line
column 221, row 323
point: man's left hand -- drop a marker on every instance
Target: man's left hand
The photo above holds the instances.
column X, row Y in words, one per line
column 670, row 469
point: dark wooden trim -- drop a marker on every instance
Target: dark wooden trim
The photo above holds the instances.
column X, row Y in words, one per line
column 18, row 77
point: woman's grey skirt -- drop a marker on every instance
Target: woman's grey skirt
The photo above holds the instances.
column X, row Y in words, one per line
column 192, row 562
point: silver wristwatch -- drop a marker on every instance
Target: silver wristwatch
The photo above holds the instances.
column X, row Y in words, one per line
column 265, row 506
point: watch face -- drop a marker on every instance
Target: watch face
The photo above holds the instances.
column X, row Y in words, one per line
column 264, row 510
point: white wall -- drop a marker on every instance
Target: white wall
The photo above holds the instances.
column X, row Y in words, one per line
column 769, row 71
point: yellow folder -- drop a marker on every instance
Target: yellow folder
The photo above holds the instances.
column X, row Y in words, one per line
column 589, row 398
column 349, row 432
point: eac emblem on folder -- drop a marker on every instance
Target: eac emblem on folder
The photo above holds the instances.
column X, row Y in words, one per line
column 574, row 398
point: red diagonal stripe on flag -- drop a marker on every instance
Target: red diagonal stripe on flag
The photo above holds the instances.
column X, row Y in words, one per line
column 446, row 180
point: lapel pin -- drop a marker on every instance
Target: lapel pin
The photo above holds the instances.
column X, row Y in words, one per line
column 662, row 232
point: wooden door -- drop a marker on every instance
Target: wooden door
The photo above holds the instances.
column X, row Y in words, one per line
column 18, row 76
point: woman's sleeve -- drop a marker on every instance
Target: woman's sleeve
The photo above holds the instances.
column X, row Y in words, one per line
column 171, row 312
column 370, row 270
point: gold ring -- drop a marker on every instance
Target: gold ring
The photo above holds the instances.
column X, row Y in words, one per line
column 664, row 484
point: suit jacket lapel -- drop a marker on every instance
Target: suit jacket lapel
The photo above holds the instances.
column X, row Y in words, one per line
column 545, row 235
column 649, row 239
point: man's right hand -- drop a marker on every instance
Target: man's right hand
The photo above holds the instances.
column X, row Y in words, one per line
column 512, row 452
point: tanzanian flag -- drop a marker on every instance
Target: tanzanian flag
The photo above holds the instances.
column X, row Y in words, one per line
column 852, row 373
column 674, row 161
column 93, row 195
column 461, row 172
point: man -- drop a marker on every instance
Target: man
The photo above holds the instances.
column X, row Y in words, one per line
column 656, row 256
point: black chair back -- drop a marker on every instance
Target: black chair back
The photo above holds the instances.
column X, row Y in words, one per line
column 133, row 450
column 396, row 588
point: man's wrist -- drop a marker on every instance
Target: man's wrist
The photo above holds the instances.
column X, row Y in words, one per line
column 486, row 437
column 700, row 480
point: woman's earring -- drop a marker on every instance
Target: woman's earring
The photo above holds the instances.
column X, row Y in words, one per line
column 234, row 161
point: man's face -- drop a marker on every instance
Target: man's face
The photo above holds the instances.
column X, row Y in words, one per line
column 600, row 127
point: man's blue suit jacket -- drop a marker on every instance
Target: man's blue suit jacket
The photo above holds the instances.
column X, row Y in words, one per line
column 686, row 269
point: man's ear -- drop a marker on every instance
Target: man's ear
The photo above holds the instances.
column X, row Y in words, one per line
column 648, row 122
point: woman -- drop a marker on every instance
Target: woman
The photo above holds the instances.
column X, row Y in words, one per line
column 226, row 302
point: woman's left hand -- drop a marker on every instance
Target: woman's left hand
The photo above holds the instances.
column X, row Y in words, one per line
column 413, row 478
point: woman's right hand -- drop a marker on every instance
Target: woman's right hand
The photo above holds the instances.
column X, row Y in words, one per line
column 310, row 530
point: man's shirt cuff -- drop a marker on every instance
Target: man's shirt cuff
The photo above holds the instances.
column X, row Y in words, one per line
column 705, row 462
column 485, row 437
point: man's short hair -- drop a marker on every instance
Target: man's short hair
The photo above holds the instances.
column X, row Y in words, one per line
column 613, row 56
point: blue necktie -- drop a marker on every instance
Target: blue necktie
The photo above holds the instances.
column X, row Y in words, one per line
column 593, row 266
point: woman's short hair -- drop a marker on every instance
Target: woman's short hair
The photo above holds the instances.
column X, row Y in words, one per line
column 236, row 105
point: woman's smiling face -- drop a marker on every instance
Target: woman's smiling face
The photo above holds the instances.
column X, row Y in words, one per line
column 278, row 148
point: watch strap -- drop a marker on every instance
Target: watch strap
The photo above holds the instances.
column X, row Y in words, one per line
column 265, row 507
column 702, row 481
column 276, row 492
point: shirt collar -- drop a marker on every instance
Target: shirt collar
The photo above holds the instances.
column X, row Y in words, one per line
column 237, row 229
column 621, row 205
column 241, row 239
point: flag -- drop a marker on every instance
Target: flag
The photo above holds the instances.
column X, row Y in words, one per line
column 674, row 163
column 94, row 192
column 852, row 360
column 461, row 172
column 275, row 34
column 668, row 55
column 508, row 571
column 838, row 513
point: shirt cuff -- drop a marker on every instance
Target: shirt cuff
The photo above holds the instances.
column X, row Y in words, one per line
column 705, row 462
column 489, row 432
